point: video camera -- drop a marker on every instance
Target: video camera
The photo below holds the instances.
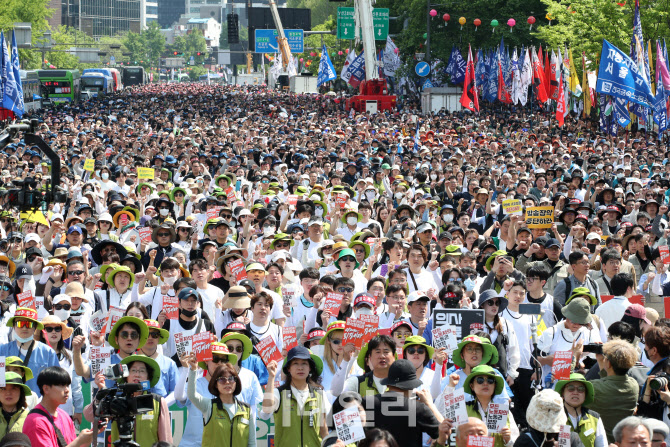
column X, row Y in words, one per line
column 121, row 405
column 26, row 194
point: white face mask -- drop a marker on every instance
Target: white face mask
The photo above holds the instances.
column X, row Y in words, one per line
column 164, row 211
column 62, row 314
column 365, row 310
column 448, row 218
column 318, row 211
column 398, row 196
column 170, row 280
column 97, row 172
column 352, row 220
column 410, row 178
column 267, row 231
column 22, row 340
column 105, row 175
column 397, row 235
column 370, row 195
column 305, row 182
column 314, row 197
column 410, row 233
column 433, row 176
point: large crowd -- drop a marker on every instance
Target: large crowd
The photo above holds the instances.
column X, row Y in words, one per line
column 318, row 250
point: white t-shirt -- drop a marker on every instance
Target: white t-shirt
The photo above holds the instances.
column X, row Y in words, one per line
column 209, row 297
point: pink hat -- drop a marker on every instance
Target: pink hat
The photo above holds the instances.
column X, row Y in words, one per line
column 637, row 311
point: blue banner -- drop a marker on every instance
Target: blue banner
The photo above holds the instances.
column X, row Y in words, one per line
column 326, row 69
column 621, row 115
column 480, row 68
column 660, row 110
column 490, row 90
column 619, row 77
column 456, row 67
column 15, row 93
column 357, row 69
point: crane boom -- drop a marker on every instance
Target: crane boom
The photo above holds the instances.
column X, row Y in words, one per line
column 368, row 38
column 282, row 42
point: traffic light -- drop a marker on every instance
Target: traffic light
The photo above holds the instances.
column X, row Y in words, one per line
column 233, row 30
column 199, row 53
column 175, row 53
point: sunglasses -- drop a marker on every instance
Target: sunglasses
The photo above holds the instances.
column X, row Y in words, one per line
column 493, row 303
column 154, row 334
column 50, row 329
column 401, row 336
column 412, row 350
column 348, row 259
column 5, row 220
column 163, row 234
column 24, row 324
column 131, row 335
column 179, row 194
column 5, row 288
column 227, row 379
column 76, row 272
column 220, row 359
column 238, row 349
column 336, row 341
column 577, row 388
column 345, row 289
column 15, row 240
column 62, row 306
column 481, row 380
column 227, row 216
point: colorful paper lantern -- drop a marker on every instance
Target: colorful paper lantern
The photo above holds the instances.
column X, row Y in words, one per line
column 302, row 59
column 494, row 23
column 477, row 22
column 549, row 17
column 425, row 36
column 531, row 21
column 312, row 53
column 396, row 50
column 511, row 23
column 433, row 13
column 339, row 53
column 462, row 21
column 347, row 51
column 446, row 17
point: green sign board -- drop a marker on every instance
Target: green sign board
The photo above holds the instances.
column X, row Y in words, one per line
column 345, row 23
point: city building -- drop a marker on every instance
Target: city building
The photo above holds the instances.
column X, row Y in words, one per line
column 99, row 18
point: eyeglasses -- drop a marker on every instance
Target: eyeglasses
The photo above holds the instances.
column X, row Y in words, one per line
column 62, row 306
column 345, row 289
column 220, row 359
column 24, row 324
column 400, row 335
column 238, row 349
column 348, row 259
column 225, row 379
column 131, row 335
column 227, row 216
column 336, row 341
column 473, row 349
column 492, row 303
column 575, row 388
column 75, row 272
column 50, row 329
column 179, row 194
column 154, row 334
column 481, row 380
column 414, row 350
column 531, row 280
column 163, row 234
column 5, row 220
column 281, row 244
column 5, row 288
column 360, row 250
column 138, row 371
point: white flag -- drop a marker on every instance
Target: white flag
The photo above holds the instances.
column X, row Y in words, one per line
column 516, row 79
column 345, row 75
column 391, row 59
column 293, row 66
column 526, row 78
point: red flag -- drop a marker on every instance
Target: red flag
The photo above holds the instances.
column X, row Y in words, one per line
column 547, row 69
column 560, row 107
column 553, row 81
column 503, row 92
column 539, row 57
column 469, row 98
column 538, row 80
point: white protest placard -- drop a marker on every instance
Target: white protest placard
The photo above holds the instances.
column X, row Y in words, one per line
column 496, row 418
column 444, row 337
column 564, row 436
column 349, row 425
column 98, row 320
column 114, row 315
column 454, row 406
column 101, row 357
column 183, row 343
column 2, row 371
column 289, row 294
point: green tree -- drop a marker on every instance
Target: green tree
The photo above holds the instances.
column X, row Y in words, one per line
column 65, row 38
column 585, row 23
column 196, row 71
column 320, row 10
column 223, row 39
column 113, row 46
column 154, row 42
column 136, row 47
column 191, row 44
column 35, row 12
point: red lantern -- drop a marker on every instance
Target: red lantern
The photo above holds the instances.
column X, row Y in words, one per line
column 312, row 54
column 302, row 59
column 347, row 51
column 477, row 22
column 433, row 13
column 339, row 53
column 446, row 17
column 531, row 21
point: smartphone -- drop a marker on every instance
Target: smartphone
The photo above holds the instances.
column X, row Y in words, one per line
column 530, row 309
column 593, row 348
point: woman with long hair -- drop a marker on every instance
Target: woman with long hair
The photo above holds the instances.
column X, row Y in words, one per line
column 392, row 257
column 225, row 416
column 500, row 333
column 420, row 354
column 332, row 351
column 14, row 405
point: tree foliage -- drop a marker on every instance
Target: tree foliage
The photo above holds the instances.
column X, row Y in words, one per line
column 146, row 47
column 321, row 10
column 583, row 24
column 35, row 12
column 65, row 38
column 190, row 44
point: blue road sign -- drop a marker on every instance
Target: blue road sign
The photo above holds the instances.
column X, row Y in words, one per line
column 422, row 68
column 427, row 84
column 266, row 40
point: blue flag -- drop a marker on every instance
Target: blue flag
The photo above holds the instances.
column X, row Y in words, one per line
column 491, row 88
column 660, row 110
column 621, row 115
column 3, row 74
column 449, row 69
column 456, row 67
column 326, row 70
column 480, row 68
column 416, row 137
column 17, row 93
column 357, row 70
column 619, row 76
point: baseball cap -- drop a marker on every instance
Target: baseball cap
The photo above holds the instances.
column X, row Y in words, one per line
column 416, row 296
column 637, row 311
column 74, row 229
column 551, row 242
column 32, row 237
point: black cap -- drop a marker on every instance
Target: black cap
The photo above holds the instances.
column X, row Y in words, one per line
column 402, row 374
column 187, row 292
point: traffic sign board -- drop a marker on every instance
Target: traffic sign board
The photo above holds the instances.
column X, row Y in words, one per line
column 422, row 68
column 345, row 23
column 266, row 40
column 112, row 60
column 191, row 61
column 427, row 84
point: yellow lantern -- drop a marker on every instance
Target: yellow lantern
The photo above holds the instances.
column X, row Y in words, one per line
column 461, row 21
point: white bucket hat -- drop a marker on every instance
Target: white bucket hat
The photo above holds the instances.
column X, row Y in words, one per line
column 545, row 412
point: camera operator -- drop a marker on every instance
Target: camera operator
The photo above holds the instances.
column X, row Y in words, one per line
column 655, row 393
column 150, row 427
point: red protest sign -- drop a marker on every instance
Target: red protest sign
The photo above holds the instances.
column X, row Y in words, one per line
column 114, row 315
column 292, row 199
column 480, row 441
column 230, row 194
column 171, row 307
column 108, row 152
column 371, row 327
column 560, row 368
column 237, row 268
column 606, row 298
column 267, row 349
column 145, row 234
column 637, row 299
column 353, row 332
column 341, row 200
column 664, row 251
column 666, row 300
column 26, row 299
column 212, row 214
column 289, row 337
column 201, row 346
column 332, row 303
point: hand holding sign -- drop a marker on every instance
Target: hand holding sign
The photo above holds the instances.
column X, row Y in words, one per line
column 201, row 345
